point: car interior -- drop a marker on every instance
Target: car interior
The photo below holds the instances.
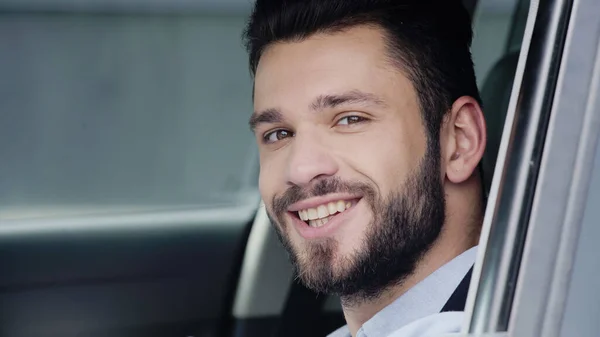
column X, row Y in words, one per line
column 128, row 197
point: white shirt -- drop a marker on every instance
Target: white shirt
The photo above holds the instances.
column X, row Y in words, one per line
column 417, row 312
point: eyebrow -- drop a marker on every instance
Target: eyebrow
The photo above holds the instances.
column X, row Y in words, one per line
column 351, row 97
column 322, row 102
column 269, row 116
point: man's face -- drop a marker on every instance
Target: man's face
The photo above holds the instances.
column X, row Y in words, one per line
column 347, row 174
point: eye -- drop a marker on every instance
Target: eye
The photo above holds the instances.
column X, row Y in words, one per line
column 351, row 120
column 277, row 135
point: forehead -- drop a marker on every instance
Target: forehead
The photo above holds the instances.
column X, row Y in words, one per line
column 327, row 63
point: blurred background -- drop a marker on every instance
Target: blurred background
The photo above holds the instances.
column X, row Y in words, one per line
column 115, row 105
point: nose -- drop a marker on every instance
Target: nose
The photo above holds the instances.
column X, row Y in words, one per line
column 309, row 159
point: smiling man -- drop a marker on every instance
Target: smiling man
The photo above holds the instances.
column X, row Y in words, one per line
column 370, row 131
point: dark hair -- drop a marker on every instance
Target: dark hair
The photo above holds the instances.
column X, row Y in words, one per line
column 429, row 39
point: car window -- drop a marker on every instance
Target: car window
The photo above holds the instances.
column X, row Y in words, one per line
column 493, row 28
column 498, row 28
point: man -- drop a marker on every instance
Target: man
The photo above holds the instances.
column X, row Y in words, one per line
column 370, row 132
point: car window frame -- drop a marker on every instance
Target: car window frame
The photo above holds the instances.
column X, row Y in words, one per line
column 552, row 227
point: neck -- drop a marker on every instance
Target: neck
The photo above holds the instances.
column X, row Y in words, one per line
column 451, row 242
column 359, row 312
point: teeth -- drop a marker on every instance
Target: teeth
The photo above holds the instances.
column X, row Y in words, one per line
column 318, row 223
column 315, row 223
column 319, row 216
column 312, row 213
column 332, row 207
column 322, row 211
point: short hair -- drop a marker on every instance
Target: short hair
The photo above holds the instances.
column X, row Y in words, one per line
column 429, row 40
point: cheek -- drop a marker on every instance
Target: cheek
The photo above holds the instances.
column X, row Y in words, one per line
column 271, row 178
column 384, row 157
column 265, row 186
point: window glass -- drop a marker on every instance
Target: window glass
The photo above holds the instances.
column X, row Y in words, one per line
column 105, row 112
column 498, row 27
column 492, row 24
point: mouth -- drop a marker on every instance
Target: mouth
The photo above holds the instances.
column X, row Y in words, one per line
column 320, row 215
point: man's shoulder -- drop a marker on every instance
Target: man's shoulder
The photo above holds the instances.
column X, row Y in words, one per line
column 436, row 325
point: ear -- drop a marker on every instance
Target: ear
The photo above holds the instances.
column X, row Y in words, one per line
column 465, row 139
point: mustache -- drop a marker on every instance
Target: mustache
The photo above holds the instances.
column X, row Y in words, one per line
column 320, row 188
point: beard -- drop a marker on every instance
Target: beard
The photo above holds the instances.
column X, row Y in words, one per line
column 405, row 225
